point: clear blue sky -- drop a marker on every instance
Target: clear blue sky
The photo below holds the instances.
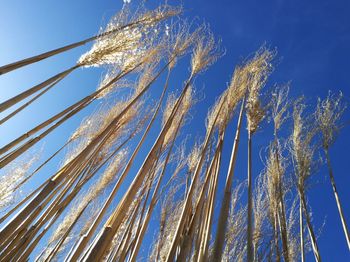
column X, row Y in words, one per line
column 312, row 38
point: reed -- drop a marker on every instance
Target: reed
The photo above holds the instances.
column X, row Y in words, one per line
column 328, row 116
column 303, row 151
column 102, row 203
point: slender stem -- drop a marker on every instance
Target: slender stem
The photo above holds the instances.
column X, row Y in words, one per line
column 310, row 229
column 337, row 199
column 49, row 82
column 301, row 231
column 250, row 252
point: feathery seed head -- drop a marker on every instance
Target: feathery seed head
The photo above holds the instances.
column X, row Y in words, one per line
column 328, row 115
column 193, row 157
column 114, row 50
column 124, row 47
column 279, row 105
column 206, row 51
column 274, row 173
column 260, row 208
column 178, row 118
column 146, row 77
column 237, row 88
column 301, row 140
column 217, row 115
column 257, row 70
column 179, row 39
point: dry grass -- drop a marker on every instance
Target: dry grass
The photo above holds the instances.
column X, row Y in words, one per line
column 177, row 177
column 328, row 116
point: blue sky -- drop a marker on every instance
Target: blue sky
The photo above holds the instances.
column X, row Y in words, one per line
column 312, row 38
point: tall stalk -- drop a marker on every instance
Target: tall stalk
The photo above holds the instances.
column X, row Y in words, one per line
column 250, row 252
column 203, row 251
column 301, row 232
column 337, row 199
column 225, row 206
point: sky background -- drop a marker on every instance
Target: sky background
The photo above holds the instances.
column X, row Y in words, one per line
column 312, row 38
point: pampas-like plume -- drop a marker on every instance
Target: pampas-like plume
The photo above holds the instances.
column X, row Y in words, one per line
column 258, row 70
column 274, row 172
column 179, row 39
column 328, row 115
column 206, row 52
column 124, row 45
column 293, row 237
column 187, row 103
column 279, row 107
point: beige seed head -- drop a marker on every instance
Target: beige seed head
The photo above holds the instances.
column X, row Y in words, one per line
column 206, row 52
column 279, row 105
column 193, row 157
column 301, row 143
column 184, row 107
column 328, row 115
column 116, row 49
column 257, row 70
column 218, row 111
column 179, row 39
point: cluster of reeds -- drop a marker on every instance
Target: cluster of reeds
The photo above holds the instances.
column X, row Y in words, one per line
column 111, row 192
